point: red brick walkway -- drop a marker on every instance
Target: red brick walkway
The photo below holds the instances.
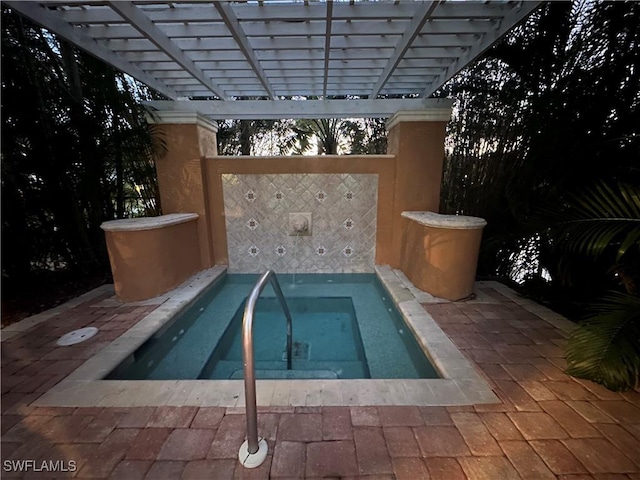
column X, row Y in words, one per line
column 547, row 426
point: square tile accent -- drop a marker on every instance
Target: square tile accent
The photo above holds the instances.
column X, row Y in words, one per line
column 257, row 209
column 250, row 196
column 321, row 196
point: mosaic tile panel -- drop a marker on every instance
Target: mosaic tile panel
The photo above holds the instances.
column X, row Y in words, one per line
column 343, row 209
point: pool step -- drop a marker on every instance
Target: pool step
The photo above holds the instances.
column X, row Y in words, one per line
column 226, row 369
column 287, row 374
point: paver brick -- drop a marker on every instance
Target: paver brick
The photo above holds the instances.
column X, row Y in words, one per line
column 622, row 439
column 574, row 424
column 165, row 471
column 365, row 417
column 444, row 469
column 172, row 417
column 409, row 468
column 537, row 390
column 208, row 417
column 524, row 372
column 526, row 461
column 500, row 426
column 326, row 459
column 268, row 424
column 569, row 390
column 537, row 426
column 131, row 469
column 475, row 434
column 148, row 443
column 210, row 469
column 623, row 411
column 441, row 441
column 518, row 396
column 401, row 442
column 289, row 460
column 435, row 416
column 599, row 456
column 135, row 417
column 303, row 427
column 371, row 451
column 557, row 457
column 336, row 423
column 590, row 412
column 400, row 416
column 187, row 444
column 488, row 468
column 228, row 437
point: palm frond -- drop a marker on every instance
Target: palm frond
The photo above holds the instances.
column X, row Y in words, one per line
column 605, row 347
column 598, row 219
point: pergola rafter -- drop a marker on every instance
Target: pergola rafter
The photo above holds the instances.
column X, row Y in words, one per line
column 240, row 37
column 226, row 51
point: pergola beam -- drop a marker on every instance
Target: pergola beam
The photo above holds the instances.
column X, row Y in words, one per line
column 53, row 23
column 290, row 48
column 327, row 45
column 419, row 18
column 232, row 23
column 132, row 14
column 272, row 110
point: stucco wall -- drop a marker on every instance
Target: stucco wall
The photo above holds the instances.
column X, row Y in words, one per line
column 147, row 263
column 382, row 167
column 440, row 261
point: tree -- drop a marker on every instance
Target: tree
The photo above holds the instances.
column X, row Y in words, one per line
column 548, row 121
column 550, row 109
column 76, row 151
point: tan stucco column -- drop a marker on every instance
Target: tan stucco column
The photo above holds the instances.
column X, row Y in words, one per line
column 188, row 136
column 416, row 138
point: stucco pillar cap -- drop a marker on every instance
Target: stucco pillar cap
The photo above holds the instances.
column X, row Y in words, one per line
column 147, row 223
column 164, row 117
column 440, row 113
column 438, row 220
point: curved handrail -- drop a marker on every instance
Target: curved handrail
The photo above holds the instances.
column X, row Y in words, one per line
column 247, row 352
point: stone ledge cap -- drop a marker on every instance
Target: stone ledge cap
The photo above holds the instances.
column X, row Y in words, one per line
column 147, row 223
column 439, row 112
column 169, row 117
column 456, row 222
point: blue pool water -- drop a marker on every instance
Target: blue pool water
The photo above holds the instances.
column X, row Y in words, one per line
column 344, row 326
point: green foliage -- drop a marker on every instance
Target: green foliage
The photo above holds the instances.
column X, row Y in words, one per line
column 599, row 219
column 295, row 137
column 76, row 151
column 605, row 347
column 550, row 116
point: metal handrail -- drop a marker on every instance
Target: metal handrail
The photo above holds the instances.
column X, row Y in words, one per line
column 247, row 352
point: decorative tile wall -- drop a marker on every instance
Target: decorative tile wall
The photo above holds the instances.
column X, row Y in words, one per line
column 343, row 208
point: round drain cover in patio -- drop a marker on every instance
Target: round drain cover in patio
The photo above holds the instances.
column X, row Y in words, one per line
column 77, row 336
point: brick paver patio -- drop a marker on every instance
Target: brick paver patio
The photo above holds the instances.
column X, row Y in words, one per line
column 547, row 426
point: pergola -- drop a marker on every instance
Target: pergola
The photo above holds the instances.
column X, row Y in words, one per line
column 261, row 59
